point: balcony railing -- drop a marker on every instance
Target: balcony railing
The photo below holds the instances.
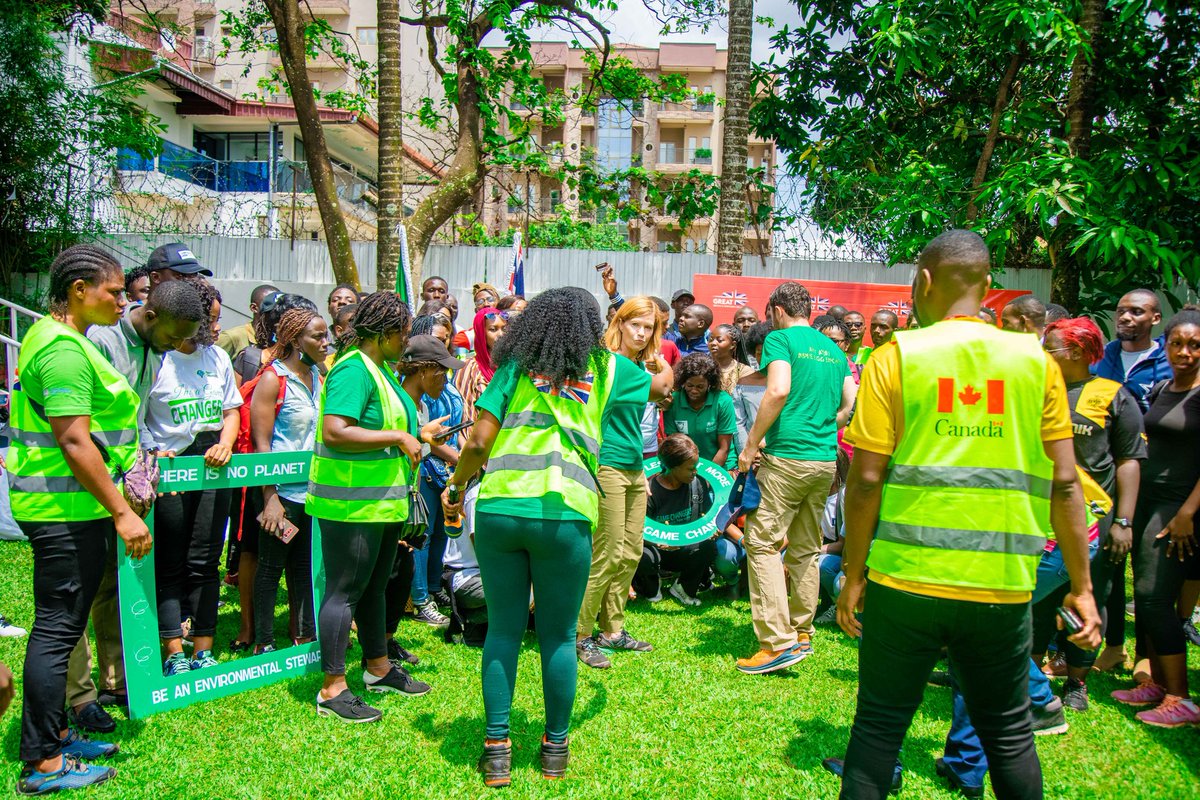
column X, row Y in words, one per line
column 688, row 156
column 686, row 107
column 239, row 176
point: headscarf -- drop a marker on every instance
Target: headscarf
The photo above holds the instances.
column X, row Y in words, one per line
column 479, row 287
column 482, row 357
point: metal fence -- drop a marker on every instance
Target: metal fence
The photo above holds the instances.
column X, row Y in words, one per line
column 240, row 264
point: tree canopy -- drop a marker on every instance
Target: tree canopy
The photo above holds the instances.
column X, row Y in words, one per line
column 1068, row 134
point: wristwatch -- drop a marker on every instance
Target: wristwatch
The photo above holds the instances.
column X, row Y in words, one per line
column 1122, row 521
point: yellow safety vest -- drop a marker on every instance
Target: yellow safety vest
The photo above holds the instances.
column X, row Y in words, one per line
column 967, row 498
column 549, row 441
column 361, row 487
column 41, row 484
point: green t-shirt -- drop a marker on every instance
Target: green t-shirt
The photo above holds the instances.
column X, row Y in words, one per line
column 621, row 429
column 714, row 418
column 61, row 379
column 350, row 392
column 494, row 400
column 807, row 426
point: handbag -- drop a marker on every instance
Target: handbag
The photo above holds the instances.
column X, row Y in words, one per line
column 413, row 530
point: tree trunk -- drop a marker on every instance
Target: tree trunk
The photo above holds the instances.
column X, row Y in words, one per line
column 989, row 144
column 1081, row 114
column 390, row 209
column 290, row 23
column 731, row 216
column 463, row 176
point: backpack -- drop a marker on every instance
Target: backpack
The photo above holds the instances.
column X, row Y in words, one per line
column 244, row 443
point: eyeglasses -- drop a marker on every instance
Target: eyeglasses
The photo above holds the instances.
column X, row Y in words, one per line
column 496, row 314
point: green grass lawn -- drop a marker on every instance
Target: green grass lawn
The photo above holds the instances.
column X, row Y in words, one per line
column 676, row 723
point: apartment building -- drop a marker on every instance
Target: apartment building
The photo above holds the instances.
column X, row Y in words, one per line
column 668, row 138
column 233, row 161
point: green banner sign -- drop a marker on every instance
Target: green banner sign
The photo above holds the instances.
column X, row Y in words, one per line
column 149, row 690
column 720, row 481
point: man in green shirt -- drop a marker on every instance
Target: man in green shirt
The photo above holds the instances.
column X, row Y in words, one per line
column 809, row 395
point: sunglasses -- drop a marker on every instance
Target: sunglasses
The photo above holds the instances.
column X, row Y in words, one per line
column 496, row 314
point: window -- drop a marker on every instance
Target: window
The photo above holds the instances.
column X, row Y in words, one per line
column 227, row 86
column 201, row 31
column 368, row 36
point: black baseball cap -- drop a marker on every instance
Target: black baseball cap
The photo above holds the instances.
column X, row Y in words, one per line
column 682, row 293
column 430, row 348
column 177, row 257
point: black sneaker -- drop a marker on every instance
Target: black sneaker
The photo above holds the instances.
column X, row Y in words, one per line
column 398, row 655
column 590, row 654
column 112, row 697
column 92, row 718
column 939, row 677
column 1050, row 720
column 348, row 707
column 496, row 764
column 1189, row 630
column 955, row 782
column 441, row 598
column 622, row 641
column 1075, row 695
column 397, row 680
column 554, row 757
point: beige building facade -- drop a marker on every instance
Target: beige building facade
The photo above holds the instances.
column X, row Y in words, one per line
column 667, row 138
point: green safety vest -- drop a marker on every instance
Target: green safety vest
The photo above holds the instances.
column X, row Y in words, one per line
column 967, row 498
column 549, row 441
column 41, row 484
column 361, row 487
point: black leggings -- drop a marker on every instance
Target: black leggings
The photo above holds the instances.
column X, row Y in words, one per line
column 274, row 558
column 399, row 587
column 189, row 534
column 359, row 557
column 68, row 563
column 691, row 562
column 1157, row 579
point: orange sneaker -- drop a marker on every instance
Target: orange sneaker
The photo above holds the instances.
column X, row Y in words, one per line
column 769, row 661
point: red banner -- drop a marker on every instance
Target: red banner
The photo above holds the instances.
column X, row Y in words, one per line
column 725, row 294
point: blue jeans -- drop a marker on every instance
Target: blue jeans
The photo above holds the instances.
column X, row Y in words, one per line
column 427, row 562
column 964, row 753
column 730, row 557
column 830, row 566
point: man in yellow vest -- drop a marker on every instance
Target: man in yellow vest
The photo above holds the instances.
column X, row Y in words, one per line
column 963, row 457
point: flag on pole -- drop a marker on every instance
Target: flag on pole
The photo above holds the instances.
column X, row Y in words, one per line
column 516, row 270
column 403, row 281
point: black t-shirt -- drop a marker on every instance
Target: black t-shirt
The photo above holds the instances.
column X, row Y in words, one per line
column 1173, row 434
column 674, row 506
column 1098, row 447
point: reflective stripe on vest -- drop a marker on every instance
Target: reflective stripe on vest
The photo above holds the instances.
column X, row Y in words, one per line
column 547, row 445
column 966, row 499
column 361, row 487
column 42, row 486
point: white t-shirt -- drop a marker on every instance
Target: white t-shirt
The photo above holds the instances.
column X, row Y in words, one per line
column 190, row 395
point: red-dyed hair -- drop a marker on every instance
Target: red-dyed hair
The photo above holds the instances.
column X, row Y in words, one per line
column 1080, row 332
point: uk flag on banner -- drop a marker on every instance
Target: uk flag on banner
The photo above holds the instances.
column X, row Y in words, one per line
column 897, row 307
column 578, row 390
column 821, row 303
column 732, row 298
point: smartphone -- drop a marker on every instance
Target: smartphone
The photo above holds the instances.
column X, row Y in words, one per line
column 603, row 265
column 453, row 430
column 288, row 532
column 1071, row 621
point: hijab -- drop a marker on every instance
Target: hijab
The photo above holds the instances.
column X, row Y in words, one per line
column 482, row 356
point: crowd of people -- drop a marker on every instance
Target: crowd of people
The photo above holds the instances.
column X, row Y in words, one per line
column 987, row 475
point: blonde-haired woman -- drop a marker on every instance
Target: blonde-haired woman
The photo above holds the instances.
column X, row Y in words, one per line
column 642, row 376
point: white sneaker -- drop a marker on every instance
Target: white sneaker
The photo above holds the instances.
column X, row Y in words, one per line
column 8, row 630
column 683, row 597
column 827, row 618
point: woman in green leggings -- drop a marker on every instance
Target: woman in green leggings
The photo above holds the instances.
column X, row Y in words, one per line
column 538, row 429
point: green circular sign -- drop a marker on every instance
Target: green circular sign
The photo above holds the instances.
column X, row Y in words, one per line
column 721, row 483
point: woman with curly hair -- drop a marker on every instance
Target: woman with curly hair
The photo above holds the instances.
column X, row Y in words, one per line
column 365, row 460
column 538, row 427
column 641, row 377
column 192, row 410
column 701, row 410
column 290, row 425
